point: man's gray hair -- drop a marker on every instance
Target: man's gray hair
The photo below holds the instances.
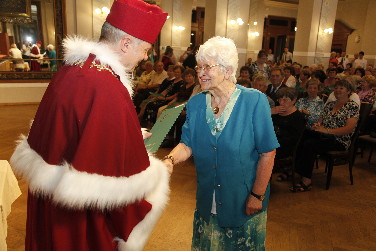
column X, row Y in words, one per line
column 111, row 34
column 222, row 51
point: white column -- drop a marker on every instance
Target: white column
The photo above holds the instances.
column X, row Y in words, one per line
column 228, row 19
column 256, row 28
column 177, row 30
column 312, row 43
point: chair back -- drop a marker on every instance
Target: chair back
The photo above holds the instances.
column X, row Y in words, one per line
column 365, row 110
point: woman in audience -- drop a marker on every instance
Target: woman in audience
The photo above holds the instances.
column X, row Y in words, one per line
column 366, row 94
column 329, row 82
column 332, row 132
column 184, row 91
column 168, row 57
column 354, row 81
column 301, row 85
column 260, row 66
column 360, row 72
column 311, row 105
column 289, row 78
column 289, row 124
column 245, row 73
column 167, row 94
column 165, row 90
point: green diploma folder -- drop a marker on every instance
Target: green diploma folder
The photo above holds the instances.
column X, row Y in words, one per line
column 162, row 127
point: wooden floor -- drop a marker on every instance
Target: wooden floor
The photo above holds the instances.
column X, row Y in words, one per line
column 342, row 218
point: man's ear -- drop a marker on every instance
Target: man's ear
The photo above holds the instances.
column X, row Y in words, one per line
column 125, row 44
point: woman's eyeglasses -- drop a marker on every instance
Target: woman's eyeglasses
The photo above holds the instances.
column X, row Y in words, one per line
column 205, row 67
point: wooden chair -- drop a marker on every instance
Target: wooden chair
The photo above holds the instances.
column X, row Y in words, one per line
column 336, row 158
column 370, row 141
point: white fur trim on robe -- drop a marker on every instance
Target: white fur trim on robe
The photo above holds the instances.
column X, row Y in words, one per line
column 78, row 190
column 77, row 49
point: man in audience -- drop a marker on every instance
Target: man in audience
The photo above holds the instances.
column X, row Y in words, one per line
column 271, row 56
column 360, row 61
column 286, row 56
column 276, row 77
column 92, row 184
column 343, row 60
column 143, row 91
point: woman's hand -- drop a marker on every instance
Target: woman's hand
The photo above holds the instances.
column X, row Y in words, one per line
column 278, row 109
column 304, row 111
column 253, row 205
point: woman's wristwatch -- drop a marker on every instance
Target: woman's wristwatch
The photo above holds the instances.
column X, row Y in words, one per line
column 259, row 197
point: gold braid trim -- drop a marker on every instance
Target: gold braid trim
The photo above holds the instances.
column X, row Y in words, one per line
column 99, row 67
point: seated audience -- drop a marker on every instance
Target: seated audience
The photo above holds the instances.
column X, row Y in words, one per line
column 184, row 92
column 366, row 93
column 289, row 78
column 311, row 105
column 329, row 82
column 168, row 92
column 260, row 66
column 289, row 124
column 332, row 132
column 245, row 73
column 301, row 85
column 276, row 77
column 261, row 83
column 142, row 90
column 354, row 81
column 360, row 72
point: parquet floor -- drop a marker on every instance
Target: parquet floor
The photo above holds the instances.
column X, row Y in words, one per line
column 340, row 219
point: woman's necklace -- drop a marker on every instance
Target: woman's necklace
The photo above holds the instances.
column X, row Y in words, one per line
column 227, row 97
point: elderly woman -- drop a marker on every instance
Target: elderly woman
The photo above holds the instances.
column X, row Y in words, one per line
column 311, row 105
column 51, row 54
column 366, row 94
column 230, row 134
column 289, row 124
column 335, row 127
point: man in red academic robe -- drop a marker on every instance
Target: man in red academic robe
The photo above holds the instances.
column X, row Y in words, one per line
column 34, row 56
column 92, row 184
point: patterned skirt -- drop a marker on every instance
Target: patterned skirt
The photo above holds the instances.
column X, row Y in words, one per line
column 209, row 236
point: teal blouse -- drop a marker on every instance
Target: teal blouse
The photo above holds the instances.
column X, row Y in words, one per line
column 226, row 163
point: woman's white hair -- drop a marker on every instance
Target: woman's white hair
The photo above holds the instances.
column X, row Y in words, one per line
column 50, row 47
column 221, row 50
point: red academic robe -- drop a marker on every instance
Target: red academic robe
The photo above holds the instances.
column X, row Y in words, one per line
column 34, row 64
column 92, row 185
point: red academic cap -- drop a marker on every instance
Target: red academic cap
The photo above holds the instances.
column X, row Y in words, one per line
column 38, row 42
column 137, row 18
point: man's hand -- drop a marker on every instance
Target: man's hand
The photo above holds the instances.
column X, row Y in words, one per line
column 253, row 205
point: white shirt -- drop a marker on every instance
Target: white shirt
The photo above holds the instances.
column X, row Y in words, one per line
column 345, row 61
column 15, row 53
column 360, row 62
column 291, row 82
